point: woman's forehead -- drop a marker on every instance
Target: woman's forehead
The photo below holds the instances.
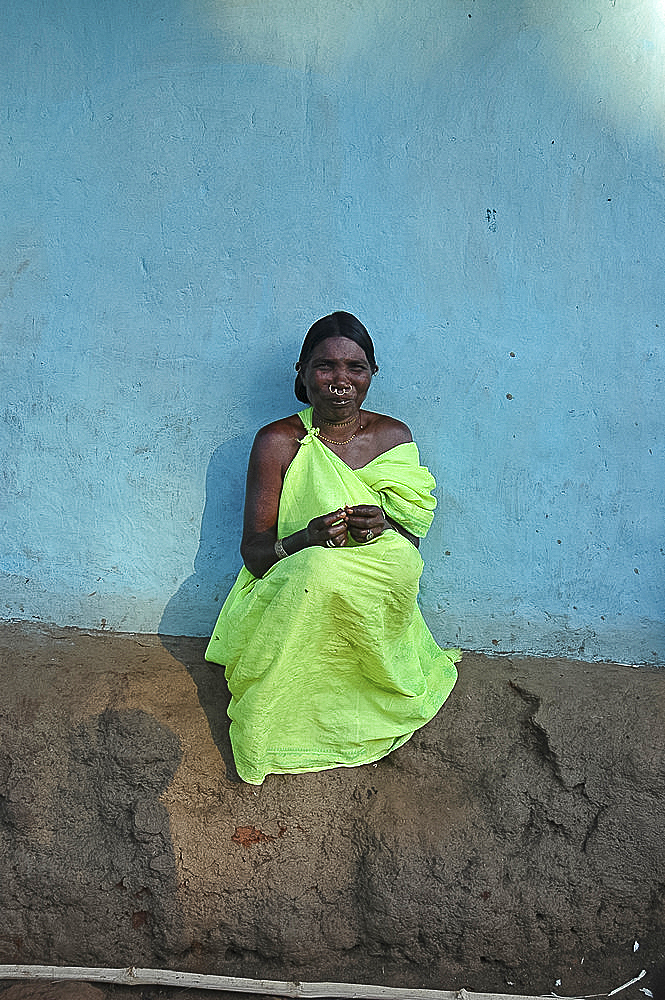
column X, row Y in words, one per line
column 338, row 349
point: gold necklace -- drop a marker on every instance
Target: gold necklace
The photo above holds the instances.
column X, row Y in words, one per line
column 348, row 440
column 339, row 423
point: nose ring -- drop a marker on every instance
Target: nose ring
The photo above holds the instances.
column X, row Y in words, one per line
column 339, row 392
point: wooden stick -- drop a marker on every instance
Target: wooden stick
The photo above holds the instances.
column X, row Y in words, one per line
column 309, row 991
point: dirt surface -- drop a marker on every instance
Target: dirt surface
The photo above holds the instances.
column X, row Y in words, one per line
column 88, row 991
column 514, row 845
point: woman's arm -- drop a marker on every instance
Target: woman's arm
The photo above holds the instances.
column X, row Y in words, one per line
column 272, row 452
column 407, row 534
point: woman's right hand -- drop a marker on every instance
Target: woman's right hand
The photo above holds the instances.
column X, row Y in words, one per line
column 328, row 529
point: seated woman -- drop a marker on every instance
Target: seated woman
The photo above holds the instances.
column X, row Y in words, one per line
column 327, row 656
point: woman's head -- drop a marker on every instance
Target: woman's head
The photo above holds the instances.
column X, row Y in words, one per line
column 337, row 324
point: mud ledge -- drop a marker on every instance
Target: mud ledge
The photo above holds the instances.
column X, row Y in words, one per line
column 515, row 841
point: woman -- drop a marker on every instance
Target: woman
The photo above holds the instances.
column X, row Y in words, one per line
column 328, row 659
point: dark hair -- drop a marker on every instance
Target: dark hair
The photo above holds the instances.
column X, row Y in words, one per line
column 337, row 324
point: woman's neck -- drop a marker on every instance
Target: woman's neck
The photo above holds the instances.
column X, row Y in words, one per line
column 318, row 421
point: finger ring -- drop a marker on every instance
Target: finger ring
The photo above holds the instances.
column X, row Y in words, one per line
column 370, row 535
column 330, row 543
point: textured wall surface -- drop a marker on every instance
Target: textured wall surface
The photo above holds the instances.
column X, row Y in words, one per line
column 188, row 185
column 514, row 841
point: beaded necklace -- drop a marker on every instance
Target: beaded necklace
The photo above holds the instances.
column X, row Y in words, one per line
column 342, row 423
column 322, row 437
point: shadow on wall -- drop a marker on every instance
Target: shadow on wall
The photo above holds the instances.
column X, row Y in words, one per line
column 190, row 615
column 194, row 607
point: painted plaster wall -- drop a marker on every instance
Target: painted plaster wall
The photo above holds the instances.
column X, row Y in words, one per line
column 188, row 184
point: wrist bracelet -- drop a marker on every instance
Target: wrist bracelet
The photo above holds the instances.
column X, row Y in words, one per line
column 280, row 551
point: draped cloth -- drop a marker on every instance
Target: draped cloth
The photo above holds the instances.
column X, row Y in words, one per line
column 327, row 656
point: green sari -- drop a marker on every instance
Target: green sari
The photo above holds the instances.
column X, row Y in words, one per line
column 328, row 659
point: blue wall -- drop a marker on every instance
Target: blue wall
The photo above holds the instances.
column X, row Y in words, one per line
column 188, row 184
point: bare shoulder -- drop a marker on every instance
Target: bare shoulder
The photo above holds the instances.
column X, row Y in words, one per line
column 278, row 441
column 386, row 430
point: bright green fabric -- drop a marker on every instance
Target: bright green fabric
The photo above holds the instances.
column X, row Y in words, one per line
column 328, row 658
column 395, row 481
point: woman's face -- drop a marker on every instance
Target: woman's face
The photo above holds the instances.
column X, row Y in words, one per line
column 337, row 377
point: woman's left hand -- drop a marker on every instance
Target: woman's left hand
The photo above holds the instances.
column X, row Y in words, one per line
column 365, row 522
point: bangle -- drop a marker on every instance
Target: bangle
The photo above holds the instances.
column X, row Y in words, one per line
column 280, row 551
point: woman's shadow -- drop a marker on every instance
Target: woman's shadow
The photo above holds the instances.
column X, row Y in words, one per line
column 190, row 615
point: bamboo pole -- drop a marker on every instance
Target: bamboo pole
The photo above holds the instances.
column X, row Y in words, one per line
column 307, row 991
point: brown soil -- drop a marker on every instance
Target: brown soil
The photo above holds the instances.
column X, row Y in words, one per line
column 516, row 841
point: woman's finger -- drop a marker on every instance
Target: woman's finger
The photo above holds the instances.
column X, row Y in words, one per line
column 337, row 537
column 363, row 510
column 375, row 522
